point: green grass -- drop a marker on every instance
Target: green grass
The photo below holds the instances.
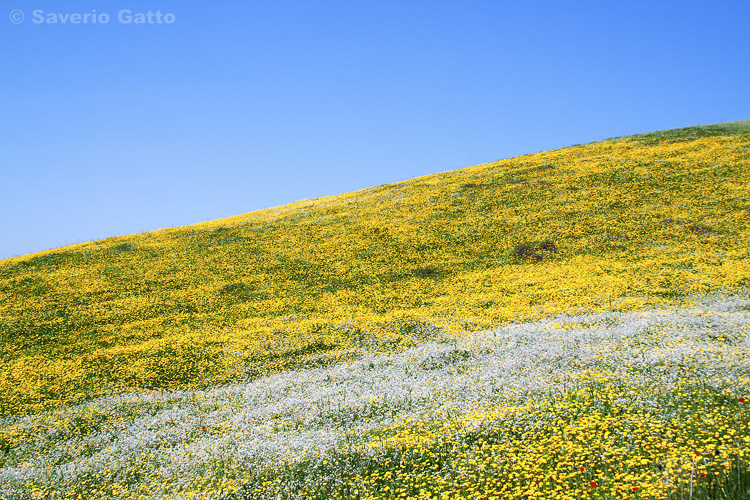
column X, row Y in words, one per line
column 696, row 131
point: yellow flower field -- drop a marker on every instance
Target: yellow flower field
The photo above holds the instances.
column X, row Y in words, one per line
column 566, row 324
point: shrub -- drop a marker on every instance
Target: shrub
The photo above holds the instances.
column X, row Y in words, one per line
column 425, row 272
column 536, row 251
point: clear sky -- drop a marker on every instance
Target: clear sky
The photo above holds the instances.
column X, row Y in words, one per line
column 226, row 107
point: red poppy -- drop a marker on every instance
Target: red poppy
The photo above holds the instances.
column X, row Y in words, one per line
column 583, row 469
column 703, row 474
column 742, row 400
column 696, row 453
column 635, row 488
column 203, row 428
column 593, row 484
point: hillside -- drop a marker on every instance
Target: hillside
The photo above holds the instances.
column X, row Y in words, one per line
column 651, row 222
column 631, row 221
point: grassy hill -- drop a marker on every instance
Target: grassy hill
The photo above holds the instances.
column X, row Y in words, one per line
column 649, row 222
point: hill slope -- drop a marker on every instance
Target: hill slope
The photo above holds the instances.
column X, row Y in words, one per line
column 572, row 324
column 610, row 225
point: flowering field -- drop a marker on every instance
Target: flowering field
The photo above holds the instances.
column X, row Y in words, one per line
column 568, row 324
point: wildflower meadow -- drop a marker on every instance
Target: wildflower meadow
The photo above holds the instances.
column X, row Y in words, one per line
column 571, row 324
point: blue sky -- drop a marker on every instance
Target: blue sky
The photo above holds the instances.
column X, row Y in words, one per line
column 114, row 128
